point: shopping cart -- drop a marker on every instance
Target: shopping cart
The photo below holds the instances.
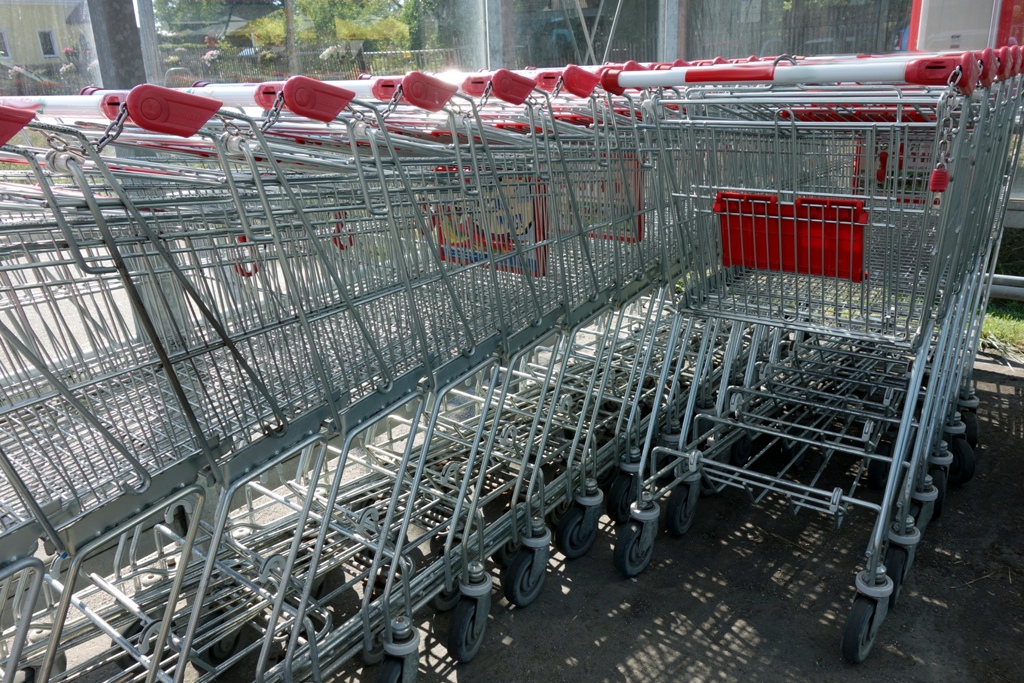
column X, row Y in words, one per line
column 832, row 227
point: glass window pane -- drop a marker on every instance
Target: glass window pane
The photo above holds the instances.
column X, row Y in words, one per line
column 46, row 44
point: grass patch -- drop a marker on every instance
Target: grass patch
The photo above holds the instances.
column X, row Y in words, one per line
column 1004, row 325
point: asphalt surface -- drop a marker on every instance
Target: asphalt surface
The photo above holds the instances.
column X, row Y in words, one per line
column 754, row 594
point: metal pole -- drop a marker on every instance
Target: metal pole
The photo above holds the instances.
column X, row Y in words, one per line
column 150, row 44
column 118, row 46
column 611, row 33
column 289, row 37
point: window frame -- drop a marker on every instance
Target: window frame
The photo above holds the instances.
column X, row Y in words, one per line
column 53, row 43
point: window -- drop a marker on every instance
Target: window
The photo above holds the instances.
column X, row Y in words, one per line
column 5, row 51
column 47, row 43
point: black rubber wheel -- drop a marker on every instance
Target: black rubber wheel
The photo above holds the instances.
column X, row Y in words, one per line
column 517, row 581
column 878, row 470
column 858, row 634
column 124, row 661
column 620, row 497
column 742, row 450
column 555, row 516
column 445, row 601
column 938, row 475
column 31, row 674
column 576, row 532
column 466, row 630
column 896, row 560
column 390, row 670
column 631, row 557
column 504, row 554
column 680, row 511
column 961, row 470
column 970, row 420
column 225, row 647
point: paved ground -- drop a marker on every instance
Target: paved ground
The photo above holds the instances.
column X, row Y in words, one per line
column 751, row 594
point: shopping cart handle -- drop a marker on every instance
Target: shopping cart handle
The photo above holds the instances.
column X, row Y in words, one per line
column 511, row 87
column 1005, row 58
column 612, row 85
column 475, row 85
column 162, row 110
column 989, row 67
column 547, row 80
column 111, row 102
column 579, row 82
column 12, row 121
column 265, row 94
column 315, row 99
column 937, row 71
column 427, row 92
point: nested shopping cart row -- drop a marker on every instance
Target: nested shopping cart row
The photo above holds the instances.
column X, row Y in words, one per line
column 842, row 236
column 397, row 339
column 222, row 303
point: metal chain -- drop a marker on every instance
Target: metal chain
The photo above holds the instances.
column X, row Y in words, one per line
column 56, row 142
column 393, row 104
column 274, row 114
column 946, row 121
column 114, row 129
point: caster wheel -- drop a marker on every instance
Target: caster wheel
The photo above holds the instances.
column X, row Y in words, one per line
column 390, row 670
column 970, row 420
column 576, row 532
column 897, row 561
column 504, row 554
column 860, row 630
column 961, row 470
column 522, row 580
column 938, row 475
column 681, row 509
column 631, row 554
column 445, row 601
column 742, row 451
column 466, row 630
column 31, row 674
column 620, row 497
column 226, row 646
column 607, row 477
column 556, row 514
column 878, row 470
column 125, row 661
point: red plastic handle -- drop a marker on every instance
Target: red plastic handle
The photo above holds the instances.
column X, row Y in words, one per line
column 315, row 99
column 546, row 80
column 384, row 88
column 12, row 121
column 511, row 87
column 266, row 93
column 1018, row 59
column 612, row 84
column 987, row 57
column 111, row 101
column 1005, row 58
column 162, row 110
column 476, row 85
column 937, row 70
column 427, row 92
column 579, row 82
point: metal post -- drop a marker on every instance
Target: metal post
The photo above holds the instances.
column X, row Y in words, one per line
column 150, row 44
column 118, row 45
